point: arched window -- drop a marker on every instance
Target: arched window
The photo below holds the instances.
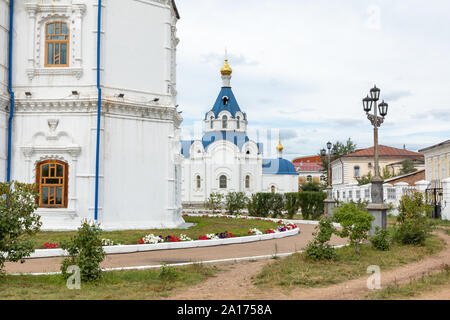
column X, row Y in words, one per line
column 323, row 178
column 223, row 182
column 238, row 122
column 211, row 122
column 198, row 182
column 247, row 182
column 56, row 44
column 224, row 122
column 51, row 178
column 309, row 178
column 272, row 189
column 356, row 171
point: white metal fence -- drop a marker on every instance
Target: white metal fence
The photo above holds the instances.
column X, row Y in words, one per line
column 391, row 194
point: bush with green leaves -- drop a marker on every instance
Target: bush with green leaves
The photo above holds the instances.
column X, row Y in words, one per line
column 412, row 225
column 311, row 203
column 259, row 204
column 85, row 251
column 312, row 186
column 319, row 248
column 381, row 239
column 356, row 223
column 17, row 220
column 214, row 201
column 292, row 203
column 235, row 202
column 277, row 204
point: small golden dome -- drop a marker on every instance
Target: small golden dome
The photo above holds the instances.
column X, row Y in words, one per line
column 280, row 146
column 226, row 70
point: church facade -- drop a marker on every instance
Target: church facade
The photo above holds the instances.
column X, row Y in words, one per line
column 88, row 110
column 226, row 160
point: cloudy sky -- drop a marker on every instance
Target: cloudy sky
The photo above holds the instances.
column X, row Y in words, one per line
column 303, row 66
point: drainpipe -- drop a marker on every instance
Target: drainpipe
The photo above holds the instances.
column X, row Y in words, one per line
column 10, row 91
column 99, row 108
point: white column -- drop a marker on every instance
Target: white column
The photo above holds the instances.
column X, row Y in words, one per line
column 31, row 10
column 446, row 199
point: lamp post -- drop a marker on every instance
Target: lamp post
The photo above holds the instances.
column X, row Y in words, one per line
column 376, row 207
column 329, row 202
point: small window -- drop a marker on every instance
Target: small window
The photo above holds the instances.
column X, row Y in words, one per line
column 51, row 178
column 238, row 122
column 356, row 171
column 211, row 122
column 198, row 182
column 272, row 189
column 323, row 178
column 248, row 152
column 223, row 182
column 309, row 178
column 56, row 44
column 247, row 182
column 224, row 122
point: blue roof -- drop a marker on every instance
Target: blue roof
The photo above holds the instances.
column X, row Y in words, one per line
column 232, row 106
column 238, row 138
column 278, row 166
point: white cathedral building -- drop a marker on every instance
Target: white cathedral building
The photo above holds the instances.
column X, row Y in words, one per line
column 226, row 160
column 88, row 110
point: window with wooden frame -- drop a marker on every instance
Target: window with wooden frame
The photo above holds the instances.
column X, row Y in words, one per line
column 198, row 182
column 56, row 44
column 52, row 177
column 247, row 182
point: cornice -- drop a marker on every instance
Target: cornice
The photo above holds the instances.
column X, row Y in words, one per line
column 151, row 111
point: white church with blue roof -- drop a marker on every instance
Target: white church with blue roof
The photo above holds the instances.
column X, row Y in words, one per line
column 226, row 160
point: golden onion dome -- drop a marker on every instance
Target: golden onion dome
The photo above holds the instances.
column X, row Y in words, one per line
column 280, row 146
column 226, row 70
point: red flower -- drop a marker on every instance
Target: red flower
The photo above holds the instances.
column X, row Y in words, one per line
column 203, row 237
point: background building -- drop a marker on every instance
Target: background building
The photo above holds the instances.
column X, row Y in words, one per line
column 346, row 169
column 437, row 161
column 54, row 128
column 226, row 160
column 310, row 169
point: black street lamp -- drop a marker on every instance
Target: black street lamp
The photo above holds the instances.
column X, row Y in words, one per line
column 376, row 208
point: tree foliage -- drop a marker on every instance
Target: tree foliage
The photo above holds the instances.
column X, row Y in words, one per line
column 312, row 204
column 17, row 220
column 292, row 203
column 214, row 201
column 319, row 248
column 235, row 202
column 85, row 251
column 356, row 223
column 338, row 150
column 407, row 167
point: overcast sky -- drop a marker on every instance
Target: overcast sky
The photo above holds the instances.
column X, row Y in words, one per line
column 303, row 66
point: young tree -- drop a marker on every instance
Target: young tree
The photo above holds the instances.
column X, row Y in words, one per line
column 356, row 223
column 365, row 179
column 235, row 202
column 17, row 220
column 214, row 201
column 319, row 248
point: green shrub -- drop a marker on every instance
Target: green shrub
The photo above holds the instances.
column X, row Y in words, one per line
column 167, row 273
column 311, row 203
column 313, row 186
column 85, row 251
column 292, row 203
column 381, row 240
column 235, row 202
column 356, row 223
column 17, row 219
column 214, row 201
column 412, row 225
column 319, row 248
column 276, row 201
column 259, row 204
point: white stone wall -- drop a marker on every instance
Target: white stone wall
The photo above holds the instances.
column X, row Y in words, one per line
column 140, row 170
column 4, row 95
column 282, row 182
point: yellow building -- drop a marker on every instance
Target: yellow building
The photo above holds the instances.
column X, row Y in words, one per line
column 345, row 170
column 437, row 161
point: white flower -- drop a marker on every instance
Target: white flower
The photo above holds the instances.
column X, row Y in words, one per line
column 184, row 237
column 152, row 239
column 109, row 242
column 255, row 231
column 212, row 236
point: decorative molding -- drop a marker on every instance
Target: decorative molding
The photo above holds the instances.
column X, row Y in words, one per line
column 74, row 72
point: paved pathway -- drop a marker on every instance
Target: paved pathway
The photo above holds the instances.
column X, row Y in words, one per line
column 259, row 248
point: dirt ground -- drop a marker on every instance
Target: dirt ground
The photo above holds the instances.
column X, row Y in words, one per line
column 235, row 282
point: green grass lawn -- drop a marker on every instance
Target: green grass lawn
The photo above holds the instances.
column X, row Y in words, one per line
column 414, row 288
column 298, row 271
column 239, row 227
column 146, row 284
